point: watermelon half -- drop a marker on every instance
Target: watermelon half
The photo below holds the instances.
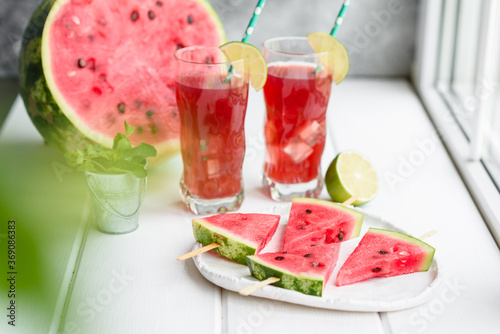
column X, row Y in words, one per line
column 238, row 234
column 313, row 221
column 87, row 66
column 305, row 273
column 383, row 253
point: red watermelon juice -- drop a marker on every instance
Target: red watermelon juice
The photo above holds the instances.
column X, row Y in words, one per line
column 212, row 113
column 295, row 130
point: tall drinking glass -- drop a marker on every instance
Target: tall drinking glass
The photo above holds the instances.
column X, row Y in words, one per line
column 297, row 92
column 211, row 94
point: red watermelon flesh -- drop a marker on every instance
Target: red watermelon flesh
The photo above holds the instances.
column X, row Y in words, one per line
column 383, row 253
column 296, row 264
column 238, row 234
column 318, row 253
column 108, row 61
column 314, row 221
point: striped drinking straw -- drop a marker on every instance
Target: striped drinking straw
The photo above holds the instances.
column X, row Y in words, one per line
column 340, row 17
column 251, row 25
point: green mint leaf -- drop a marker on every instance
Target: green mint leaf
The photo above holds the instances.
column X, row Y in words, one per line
column 71, row 158
column 119, row 137
column 142, row 150
column 122, row 158
column 91, row 152
column 129, row 129
column 123, row 145
column 105, row 153
column 124, row 165
column 138, row 160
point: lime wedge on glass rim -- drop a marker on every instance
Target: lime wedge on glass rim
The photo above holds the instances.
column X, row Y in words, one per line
column 336, row 57
column 351, row 174
column 254, row 61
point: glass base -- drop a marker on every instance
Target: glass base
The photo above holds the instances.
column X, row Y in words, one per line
column 282, row 192
column 202, row 206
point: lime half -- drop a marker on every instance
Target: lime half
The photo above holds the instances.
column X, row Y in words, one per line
column 336, row 57
column 351, row 174
column 254, row 61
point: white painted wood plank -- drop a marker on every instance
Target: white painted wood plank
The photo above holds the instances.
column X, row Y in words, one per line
column 43, row 197
column 245, row 315
column 420, row 190
column 133, row 283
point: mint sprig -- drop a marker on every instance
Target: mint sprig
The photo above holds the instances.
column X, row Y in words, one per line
column 122, row 158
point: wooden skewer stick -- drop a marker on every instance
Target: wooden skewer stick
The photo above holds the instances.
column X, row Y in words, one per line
column 198, row 251
column 428, row 234
column 249, row 289
column 350, row 201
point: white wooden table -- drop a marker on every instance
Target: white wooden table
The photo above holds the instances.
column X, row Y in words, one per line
column 133, row 283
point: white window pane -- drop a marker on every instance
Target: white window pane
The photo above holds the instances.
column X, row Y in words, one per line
column 491, row 156
column 465, row 63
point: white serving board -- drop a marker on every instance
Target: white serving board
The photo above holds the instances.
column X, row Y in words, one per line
column 373, row 295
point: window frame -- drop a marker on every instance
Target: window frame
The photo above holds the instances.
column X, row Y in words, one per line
column 427, row 78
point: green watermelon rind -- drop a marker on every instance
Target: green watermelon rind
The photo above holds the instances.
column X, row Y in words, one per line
column 429, row 250
column 304, row 283
column 44, row 107
column 231, row 246
column 318, row 202
column 44, row 112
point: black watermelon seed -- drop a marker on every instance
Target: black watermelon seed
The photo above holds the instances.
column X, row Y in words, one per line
column 180, row 46
column 151, row 15
column 91, row 38
column 279, row 258
column 139, row 129
column 341, row 235
column 285, row 252
column 81, row 63
column 376, row 269
column 301, row 227
column 208, row 60
column 308, row 255
column 382, row 252
column 317, row 265
column 159, row 3
column 308, row 211
column 190, row 19
column 121, row 108
column 135, row 16
column 149, row 113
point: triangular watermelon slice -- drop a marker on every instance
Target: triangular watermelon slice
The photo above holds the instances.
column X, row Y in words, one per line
column 383, row 253
column 238, row 234
column 307, row 273
column 313, row 221
column 311, row 245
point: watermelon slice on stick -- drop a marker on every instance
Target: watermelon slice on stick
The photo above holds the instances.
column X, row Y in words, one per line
column 383, row 253
column 236, row 234
column 305, row 273
column 313, row 221
column 310, row 248
column 86, row 66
